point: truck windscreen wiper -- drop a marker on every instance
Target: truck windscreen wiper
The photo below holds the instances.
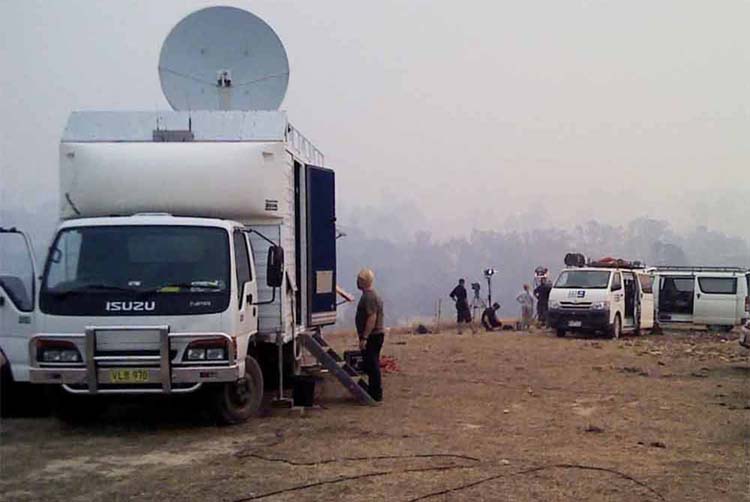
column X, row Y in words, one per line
column 88, row 288
column 176, row 287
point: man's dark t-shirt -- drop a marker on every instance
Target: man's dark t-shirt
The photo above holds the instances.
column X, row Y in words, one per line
column 542, row 293
column 369, row 304
column 458, row 294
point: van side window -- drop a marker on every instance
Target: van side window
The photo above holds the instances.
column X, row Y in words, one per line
column 647, row 283
column 242, row 257
column 616, row 282
column 718, row 285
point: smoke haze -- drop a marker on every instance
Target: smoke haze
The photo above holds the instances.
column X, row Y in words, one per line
column 495, row 128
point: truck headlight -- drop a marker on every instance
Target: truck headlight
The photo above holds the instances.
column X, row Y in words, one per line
column 600, row 305
column 216, row 354
column 196, row 354
column 211, row 349
column 57, row 351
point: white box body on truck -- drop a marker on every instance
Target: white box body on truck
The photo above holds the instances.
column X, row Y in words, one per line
column 166, row 274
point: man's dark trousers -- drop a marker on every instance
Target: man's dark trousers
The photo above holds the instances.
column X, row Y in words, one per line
column 371, row 365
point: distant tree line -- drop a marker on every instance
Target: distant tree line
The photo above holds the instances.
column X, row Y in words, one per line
column 413, row 273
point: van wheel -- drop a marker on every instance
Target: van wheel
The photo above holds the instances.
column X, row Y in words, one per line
column 616, row 329
column 560, row 332
column 235, row 402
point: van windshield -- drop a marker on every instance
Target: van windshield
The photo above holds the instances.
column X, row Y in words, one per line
column 584, row 279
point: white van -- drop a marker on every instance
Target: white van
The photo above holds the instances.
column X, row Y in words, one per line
column 712, row 296
column 612, row 300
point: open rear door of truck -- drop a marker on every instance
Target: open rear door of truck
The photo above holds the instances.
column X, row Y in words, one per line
column 321, row 246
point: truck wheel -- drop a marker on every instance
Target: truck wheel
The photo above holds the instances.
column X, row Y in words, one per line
column 235, row 402
column 616, row 329
column 560, row 332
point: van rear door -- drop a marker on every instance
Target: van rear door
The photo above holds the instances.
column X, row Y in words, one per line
column 716, row 299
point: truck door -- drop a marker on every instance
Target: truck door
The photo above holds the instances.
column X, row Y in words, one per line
column 247, row 292
column 321, row 246
column 646, row 301
column 715, row 300
column 17, row 300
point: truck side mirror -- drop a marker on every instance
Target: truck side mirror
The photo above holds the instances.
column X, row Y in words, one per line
column 275, row 267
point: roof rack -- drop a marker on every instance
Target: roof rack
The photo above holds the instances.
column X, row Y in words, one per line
column 688, row 268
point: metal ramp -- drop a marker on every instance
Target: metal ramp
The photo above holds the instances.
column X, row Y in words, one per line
column 329, row 358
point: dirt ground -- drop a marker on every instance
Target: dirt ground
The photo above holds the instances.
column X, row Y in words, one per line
column 490, row 416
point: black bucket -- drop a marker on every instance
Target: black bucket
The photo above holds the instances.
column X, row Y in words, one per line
column 303, row 391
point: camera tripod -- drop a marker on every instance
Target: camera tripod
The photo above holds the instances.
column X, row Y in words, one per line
column 476, row 304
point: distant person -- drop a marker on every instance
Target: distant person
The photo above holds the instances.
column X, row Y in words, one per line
column 459, row 296
column 369, row 323
column 527, row 306
column 489, row 318
column 541, row 293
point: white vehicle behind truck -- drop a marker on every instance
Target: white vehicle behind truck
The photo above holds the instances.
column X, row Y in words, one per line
column 610, row 297
column 717, row 297
column 195, row 246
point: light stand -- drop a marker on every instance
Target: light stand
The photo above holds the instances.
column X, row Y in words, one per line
column 488, row 273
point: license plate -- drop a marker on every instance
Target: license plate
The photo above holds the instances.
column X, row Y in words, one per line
column 135, row 375
column 575, row 324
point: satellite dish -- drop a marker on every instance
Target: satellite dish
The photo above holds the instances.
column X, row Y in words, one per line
column 223, row 58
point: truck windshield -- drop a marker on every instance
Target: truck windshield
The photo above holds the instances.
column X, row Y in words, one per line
column 584, row 279
column 119, row 264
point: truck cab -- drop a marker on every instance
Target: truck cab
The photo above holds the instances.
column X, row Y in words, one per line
column 18, row 287
column 151, row 303
column 602, row 298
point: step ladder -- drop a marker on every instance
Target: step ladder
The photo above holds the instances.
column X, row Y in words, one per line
column 329, row 358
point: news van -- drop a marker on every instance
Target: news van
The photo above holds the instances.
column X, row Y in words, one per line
column 716, row 297
column 607, row 296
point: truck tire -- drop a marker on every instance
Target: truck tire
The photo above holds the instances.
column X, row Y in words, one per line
column 560, row 332
column 235, row 402
column 616, row 329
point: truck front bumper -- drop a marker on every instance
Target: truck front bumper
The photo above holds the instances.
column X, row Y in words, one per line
column 131, row 374
column 578, row 320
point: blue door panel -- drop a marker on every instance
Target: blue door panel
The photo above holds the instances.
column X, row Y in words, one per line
column 321, row 246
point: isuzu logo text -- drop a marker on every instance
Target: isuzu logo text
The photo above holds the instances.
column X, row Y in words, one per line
column 130, row 306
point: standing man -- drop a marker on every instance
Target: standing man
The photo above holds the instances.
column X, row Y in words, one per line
column 527, row 306
column 541, row 293
column 458, row 295
column 369, row 323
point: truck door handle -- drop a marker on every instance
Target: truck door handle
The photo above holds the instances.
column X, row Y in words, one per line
column 697, row 295
column 249, row 299
column 2, row 301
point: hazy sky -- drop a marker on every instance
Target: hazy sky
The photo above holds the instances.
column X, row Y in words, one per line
column 462, row 113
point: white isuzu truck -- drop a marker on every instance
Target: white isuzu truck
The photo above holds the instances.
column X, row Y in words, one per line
column 195, row 246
